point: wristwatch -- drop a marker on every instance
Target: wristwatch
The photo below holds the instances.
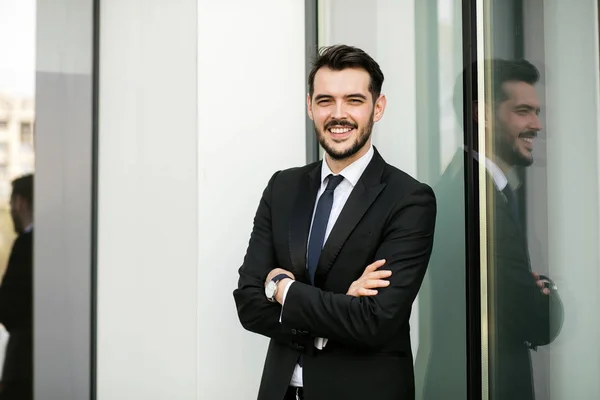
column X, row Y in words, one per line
column 271, row 288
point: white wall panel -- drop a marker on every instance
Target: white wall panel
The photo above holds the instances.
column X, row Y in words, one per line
column 148, row 206
column 251, row 122
column 200, row 103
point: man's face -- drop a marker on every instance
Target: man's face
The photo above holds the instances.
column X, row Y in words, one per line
column 343, row 112
column 516, row 124
column 16, row 202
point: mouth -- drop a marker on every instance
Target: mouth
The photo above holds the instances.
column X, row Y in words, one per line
column 338, row 132
column 527, row 139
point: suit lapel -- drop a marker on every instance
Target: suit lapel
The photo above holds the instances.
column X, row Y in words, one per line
column 300, row 221
column 365, row 192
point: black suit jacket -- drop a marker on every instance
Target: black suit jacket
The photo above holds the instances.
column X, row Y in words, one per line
column 16, row 298
column 519, row 315
column 389, row 215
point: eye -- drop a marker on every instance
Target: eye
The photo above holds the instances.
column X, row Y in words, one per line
column 355, row 101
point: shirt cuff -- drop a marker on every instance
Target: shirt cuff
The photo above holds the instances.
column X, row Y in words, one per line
column 285, row 291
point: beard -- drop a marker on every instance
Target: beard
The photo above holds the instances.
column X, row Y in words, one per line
column 363, row 137
column 506, row 148
column 510, row 153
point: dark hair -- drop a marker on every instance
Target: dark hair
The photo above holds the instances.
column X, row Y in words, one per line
column 23, row 187
column 340, row 57
column 501, row 71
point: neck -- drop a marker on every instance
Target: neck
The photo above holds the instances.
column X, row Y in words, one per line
column 501, row 163
column 337, row 166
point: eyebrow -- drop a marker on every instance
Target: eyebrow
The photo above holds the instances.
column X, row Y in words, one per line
column 527, row 106
column 348, row 96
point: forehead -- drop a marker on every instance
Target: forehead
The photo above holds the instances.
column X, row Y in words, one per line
column 342, row 82
column 521, row 93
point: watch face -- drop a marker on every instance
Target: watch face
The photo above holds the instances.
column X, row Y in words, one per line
column 270, row 289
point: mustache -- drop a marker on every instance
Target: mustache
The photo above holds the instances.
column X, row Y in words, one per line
column 340, row 122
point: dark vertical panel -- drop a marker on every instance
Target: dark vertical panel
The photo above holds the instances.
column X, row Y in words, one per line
column 474, row 376
column 94, row 202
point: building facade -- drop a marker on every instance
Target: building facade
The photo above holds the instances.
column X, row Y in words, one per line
column 158, row 125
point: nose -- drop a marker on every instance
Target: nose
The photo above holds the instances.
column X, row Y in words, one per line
column 339, row 111
column 536, row 124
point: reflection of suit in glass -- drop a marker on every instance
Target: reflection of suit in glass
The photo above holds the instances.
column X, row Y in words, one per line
column 519, row 314
column 16, row 315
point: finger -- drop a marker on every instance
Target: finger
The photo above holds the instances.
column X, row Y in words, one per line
column 546, row 291
column 376, row 283
column 372, row 267
column 366, row 292
column 382, row 274
column 536, row 275
column 540, row 283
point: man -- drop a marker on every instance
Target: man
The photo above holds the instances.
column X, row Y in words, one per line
column 524, row 309
column 16, row 297
column 311, row 278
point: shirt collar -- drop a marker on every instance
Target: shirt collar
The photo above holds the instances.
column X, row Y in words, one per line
column 352, row 172
column 497, row 175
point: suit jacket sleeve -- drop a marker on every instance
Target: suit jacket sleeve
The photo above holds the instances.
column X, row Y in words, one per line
column 255, row 312
column 407, row 240
column 537, row 318
column 16, row 287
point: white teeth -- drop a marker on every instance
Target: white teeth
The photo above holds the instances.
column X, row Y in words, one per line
column 528, row 140
column 340, row 130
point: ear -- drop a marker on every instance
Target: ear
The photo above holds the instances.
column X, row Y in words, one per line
column 379, row 108
column 309, row 106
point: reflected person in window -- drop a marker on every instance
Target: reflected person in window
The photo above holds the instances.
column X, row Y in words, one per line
column 16, row 297
column 338, row 252
column 524, row 308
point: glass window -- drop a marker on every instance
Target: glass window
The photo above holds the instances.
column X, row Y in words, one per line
column 538, row 135
column 418, row 45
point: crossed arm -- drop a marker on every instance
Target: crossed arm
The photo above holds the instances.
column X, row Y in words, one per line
column 368, row 319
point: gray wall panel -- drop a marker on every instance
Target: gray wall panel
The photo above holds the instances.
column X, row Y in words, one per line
column 62, row 247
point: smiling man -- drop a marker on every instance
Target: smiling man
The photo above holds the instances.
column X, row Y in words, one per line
column 338, row 252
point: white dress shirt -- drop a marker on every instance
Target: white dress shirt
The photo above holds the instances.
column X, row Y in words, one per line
column 351, row 174
column 493, row 169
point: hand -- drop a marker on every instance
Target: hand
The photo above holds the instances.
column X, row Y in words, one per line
column 540, row 283
column 276, row 272
column 370, row 280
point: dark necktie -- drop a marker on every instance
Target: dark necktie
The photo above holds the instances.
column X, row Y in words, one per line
column 320, row 220
column 319, row 227
column 511, row 199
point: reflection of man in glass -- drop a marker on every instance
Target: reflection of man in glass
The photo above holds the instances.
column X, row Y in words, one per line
column 16, row 297
column 524, row 309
